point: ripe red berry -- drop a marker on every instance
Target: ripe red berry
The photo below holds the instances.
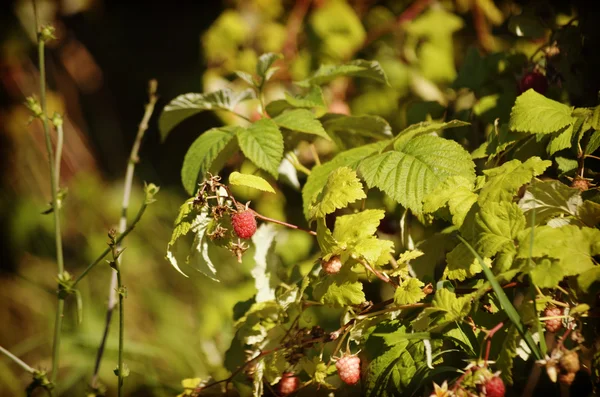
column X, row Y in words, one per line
column 288, row 384
column 554, row 324
column 348, row 368
column 534, row 80
column 244, row 223
column 494, row 387
column 332, row 266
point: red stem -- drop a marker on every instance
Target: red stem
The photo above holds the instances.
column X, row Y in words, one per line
column 267, row 219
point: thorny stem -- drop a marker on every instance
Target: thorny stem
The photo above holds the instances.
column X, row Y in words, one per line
column 117, row 241
column 54, row 181
column 17, row 360
column 128, row 183
column 267, row 219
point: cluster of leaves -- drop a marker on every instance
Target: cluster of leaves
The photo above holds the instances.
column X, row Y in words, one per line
column 518, row 211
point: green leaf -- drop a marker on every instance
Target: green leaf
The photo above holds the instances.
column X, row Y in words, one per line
column 589, row 278
column 409, row 292
column 191, row 221
column 263, row 66
column 453, row 308
column 342, row 188
column 424, row 128
column 208, row 153
column 407, row 176
column 503, row 182
column 375, row 251
column 199, row 257
column 571, row 245
column 339, row 290
column 357, row 68
column 589, row 213
column 345, row 130
column 496, row 226
column 318, row 177
column 262, row 143
column 510, row 310
column 353, row 228
column 187, row 105
column 462, row 264
column 325, row 239
column 248, row 180
column 457, row 193
column 562, row 139
column 301, row 120
column 312, row 99
column 536, row 114
column 594, row 143
column 507, row 354
column 547, row 273
column 549, row 199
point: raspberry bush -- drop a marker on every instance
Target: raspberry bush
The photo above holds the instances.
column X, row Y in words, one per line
column 436, row 216
column 468, row 229
column 431, row 247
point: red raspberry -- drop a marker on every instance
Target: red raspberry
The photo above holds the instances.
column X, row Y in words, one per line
column 534, row 80
column 348, row 368
column 554, row 324
column 332, row 266
column 288, row 384
column 244, row 223
column 494, row 387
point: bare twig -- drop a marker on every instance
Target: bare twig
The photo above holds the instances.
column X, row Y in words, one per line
column 133, row 160
column 17, row 360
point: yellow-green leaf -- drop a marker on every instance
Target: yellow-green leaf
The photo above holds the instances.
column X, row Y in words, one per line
column 253, row 181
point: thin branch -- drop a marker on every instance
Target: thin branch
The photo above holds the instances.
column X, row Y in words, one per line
column 294, row 25
column 118, row 240
column 408, row 14
column 128, row 183
column 267, row 219
column 379, row 275
column 17, row 360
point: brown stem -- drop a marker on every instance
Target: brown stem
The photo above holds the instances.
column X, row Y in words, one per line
column 481, row 27
column 488, row 338
column 294, row 25
column 379, row 275
column 407, row 15
column 267, row 219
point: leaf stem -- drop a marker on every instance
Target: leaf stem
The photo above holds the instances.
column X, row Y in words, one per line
column 128, row 183
column 117, row 241
column 17, row 360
